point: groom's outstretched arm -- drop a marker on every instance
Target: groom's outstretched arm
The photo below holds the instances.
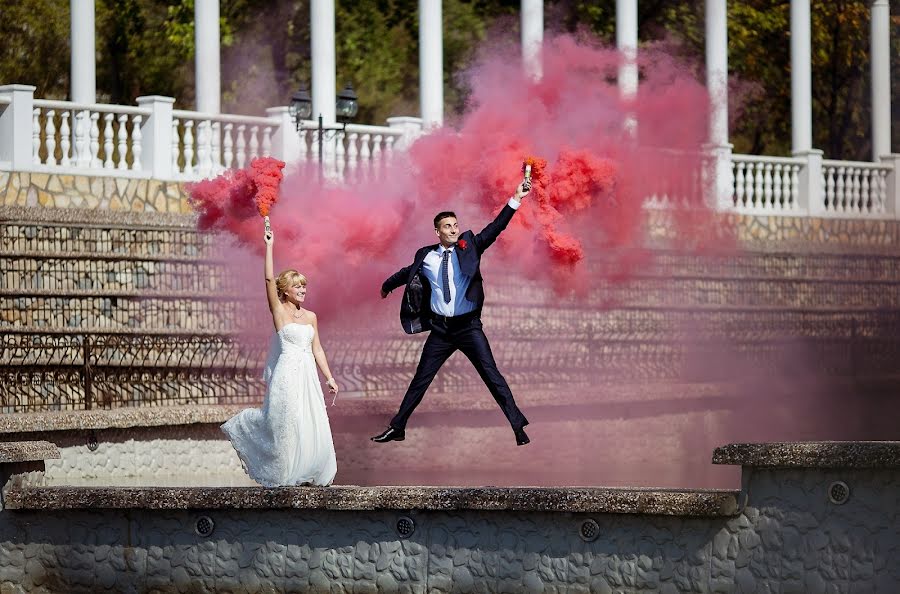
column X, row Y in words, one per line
column 493, row 229
column 398, row 279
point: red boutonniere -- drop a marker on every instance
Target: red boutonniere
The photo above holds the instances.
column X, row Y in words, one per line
column 462, row 244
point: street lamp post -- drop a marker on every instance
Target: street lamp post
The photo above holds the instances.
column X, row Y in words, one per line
column 347, row 106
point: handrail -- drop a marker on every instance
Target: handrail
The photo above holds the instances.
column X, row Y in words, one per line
column 738, row 158
column 369, row 129
column 101, row 107
column 224, row 117
column 856, row 164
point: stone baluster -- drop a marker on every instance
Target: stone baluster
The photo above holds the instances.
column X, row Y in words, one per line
column 204, row 162
column 65, row 139
column 108, row 140
column 216, row 150
column 841, row 190
column 739, row 182
column 122, row 141
column 376, row 156
column 365, row 156
column 82, row 159
column 340, row 154
column 36, row 136
column 254, row 142
column 176, row 148
column 95, row 140
column 353, row 154
column 228, row 142
column 241, row 146
column 136, row 143
column 189, row 147
column 51, row 137
column 867, row 204
column 267, row 141
column 767, row 186
column 777, row 197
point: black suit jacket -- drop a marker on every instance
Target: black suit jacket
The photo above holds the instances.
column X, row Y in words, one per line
column 415, row 309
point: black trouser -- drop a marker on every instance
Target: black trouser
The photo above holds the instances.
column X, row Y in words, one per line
column 447, row 335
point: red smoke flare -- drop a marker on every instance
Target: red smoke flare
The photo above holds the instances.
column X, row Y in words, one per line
column 227, row 201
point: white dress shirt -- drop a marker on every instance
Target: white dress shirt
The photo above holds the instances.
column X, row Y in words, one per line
column 459, row 282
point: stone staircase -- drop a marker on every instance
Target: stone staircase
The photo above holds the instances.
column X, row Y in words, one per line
column 130, row 309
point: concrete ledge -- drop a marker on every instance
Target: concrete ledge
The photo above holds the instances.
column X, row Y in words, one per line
column 811, row 454
column 120, row 418
column 665, row 502
column 654, row 396
column 27, row 451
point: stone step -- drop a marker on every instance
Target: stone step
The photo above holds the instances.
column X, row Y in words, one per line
column 650, row 315
column 154, row 243
column 136, row 310
column 36, row 271
column 88, row 239
column 112, row 274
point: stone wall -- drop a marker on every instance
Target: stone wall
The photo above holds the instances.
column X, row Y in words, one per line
column 122, row 194
column 810, row 518
column 56, row 190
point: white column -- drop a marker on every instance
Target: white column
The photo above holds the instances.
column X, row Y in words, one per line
column 207, row 55
column 321, row 22
column 881, row 79
column 532, row 35
column 431, row 63
column 801, row 77
column 717, row 69
column 717, row 85
column 626, row 43
column 83, row 74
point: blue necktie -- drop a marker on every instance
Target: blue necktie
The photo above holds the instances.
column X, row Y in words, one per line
column 445, row 275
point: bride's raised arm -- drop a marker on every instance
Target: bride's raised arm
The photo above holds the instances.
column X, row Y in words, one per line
column 271, row 289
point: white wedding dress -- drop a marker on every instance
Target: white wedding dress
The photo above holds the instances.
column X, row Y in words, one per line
column 288, row 440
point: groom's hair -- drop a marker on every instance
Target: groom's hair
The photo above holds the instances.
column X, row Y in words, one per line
column 443, row 215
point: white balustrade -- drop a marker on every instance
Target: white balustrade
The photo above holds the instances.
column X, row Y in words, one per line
column 766, row 184
column 855, row 188
column 66, row 137
column 208, row 144
column 679, row 180
column 153, row 140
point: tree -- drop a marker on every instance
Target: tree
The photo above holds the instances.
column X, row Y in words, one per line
column 35, row 47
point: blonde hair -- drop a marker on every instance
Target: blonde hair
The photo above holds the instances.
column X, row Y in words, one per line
column 287, row 279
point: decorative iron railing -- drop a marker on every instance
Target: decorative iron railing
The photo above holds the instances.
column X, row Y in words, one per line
column 56, row 371
column 42, row 371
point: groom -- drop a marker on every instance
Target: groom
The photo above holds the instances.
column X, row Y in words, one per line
column 444, row 294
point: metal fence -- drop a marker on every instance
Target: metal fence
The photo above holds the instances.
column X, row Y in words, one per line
column 55, row 371
column 58, row 371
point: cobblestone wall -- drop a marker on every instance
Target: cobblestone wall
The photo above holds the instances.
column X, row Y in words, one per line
column 789, row 538
column 102, row 193
column 54, row 190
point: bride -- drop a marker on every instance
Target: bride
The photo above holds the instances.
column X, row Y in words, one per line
column 288, row 440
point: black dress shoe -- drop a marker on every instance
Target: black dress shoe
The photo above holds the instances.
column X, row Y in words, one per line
column 391, row 434
column 521, row 438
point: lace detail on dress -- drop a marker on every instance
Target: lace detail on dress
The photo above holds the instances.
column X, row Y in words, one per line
column 287, row 441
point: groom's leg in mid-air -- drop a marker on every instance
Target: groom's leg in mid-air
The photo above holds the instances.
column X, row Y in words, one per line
column 435, row 352
column 475, row 346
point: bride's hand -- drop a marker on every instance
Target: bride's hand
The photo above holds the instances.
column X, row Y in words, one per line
column 268, row 236
column 332, row 386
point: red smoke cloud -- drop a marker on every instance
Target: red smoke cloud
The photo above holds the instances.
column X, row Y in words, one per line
column 347, row 238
